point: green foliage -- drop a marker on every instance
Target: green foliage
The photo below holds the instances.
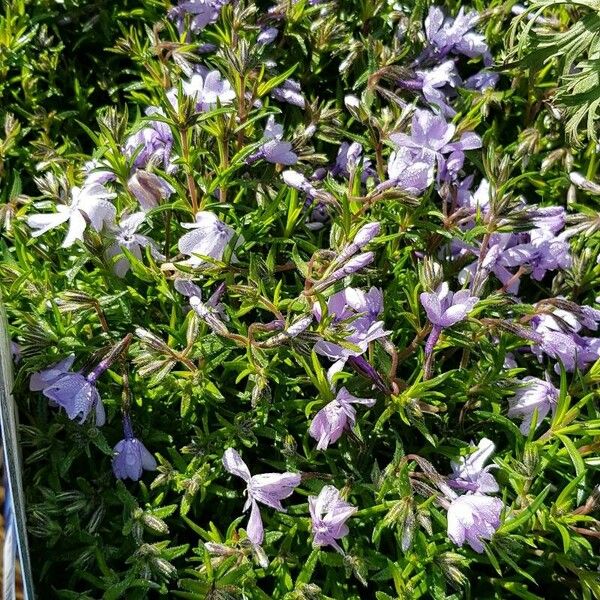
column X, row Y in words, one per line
column 76, row 78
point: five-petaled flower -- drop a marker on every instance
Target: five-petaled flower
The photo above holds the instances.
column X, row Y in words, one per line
column 268, row 488
column 533, row 394
column 473, row 518
column 209, row 236
column 444, row 309
column 334, row 418
column 88, row 204
column 329, row 513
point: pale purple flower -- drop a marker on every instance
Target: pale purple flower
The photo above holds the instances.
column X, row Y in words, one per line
column 445, row 308
column 430, row 141
column 473, row 518
column 329, row 513
column 88, row 204
column 540, row 250
column 299, row 182
column 206, row 88
column 353, row 265
column 436, row 84
column 338, row 416
column 470, row 474
column 149, row 189
column 548, row 220
column 411, row 175
column 560, row 340
column 548, row 254
column 209, row 237
column 202, row 13
column 446, row 35
column 267, row 35
column 479, row 200
column 152, row 144
column 274, row 150
column 131, row 456
column 126, row 236
column 318, row 217
column 78, row 395
column 290, row 92
column 363, row 308
column 268, row 488
column 533, row 394
column 573, row 351
column 482, row 81
column 46, row 377
column 578, row 180
column 212, row 312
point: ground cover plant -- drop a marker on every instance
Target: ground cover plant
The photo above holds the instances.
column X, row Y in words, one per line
column 303, row 297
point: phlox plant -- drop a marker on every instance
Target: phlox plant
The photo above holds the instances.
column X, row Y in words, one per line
column 308, row 310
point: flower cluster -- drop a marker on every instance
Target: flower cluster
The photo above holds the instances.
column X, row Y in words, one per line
column 332, row 250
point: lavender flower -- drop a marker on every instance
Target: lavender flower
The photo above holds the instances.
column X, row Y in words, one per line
column 539, row 250
column 152, row 144
column 206, row 88
column 267, row 36
column 274, row 150
column 436, row 85
column 444, row 309
column 338, row 416
column 469, row 473
column 364, row 328
column 430, row 142
column 126, row 236
column 89, row 203
column 407, row 173
column 446, row 35
column 78, row 395
column 479, row 200
column 560, row 340
column 290, row 92
column 212, row 312
column 209, row 237
column 131, row 456
column 533, row 394
column 353, row 265
column 46, row 377
column 149, row 189
column 473, row 518
column 583, row 183
column 202, row 13
column 318, row 217
column 482, row 81
column 329, row 513
column 268, row 488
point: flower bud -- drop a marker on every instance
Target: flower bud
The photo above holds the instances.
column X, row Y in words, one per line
column 583, row 183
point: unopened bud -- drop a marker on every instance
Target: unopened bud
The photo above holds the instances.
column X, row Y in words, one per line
column 148, row 189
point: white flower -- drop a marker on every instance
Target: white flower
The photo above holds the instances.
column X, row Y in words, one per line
column 126, row 236
column 206, row 90
column 209, row 237
column 88, row 204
